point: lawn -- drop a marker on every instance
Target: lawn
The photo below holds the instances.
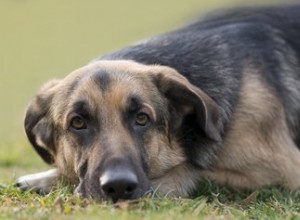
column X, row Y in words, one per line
column 41, row 40
column 211, row 203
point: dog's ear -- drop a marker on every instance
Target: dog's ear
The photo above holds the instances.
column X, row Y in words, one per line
column 187, row 99
column 38, row 127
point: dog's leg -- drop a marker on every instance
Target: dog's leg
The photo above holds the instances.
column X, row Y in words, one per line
column 41, row 182
column 258, row 148
column 269, row 168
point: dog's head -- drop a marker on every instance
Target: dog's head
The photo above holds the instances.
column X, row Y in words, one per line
column 123, row 128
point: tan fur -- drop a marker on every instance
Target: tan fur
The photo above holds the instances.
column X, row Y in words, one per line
column 165, row 155
column 108, row 105
column 258, row 149
column 180, row 181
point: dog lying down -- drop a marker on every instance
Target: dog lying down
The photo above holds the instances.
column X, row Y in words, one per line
column 218, row 99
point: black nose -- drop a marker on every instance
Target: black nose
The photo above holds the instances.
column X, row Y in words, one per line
column 119, row 183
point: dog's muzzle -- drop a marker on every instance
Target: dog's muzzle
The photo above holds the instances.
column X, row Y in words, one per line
column 115, row 179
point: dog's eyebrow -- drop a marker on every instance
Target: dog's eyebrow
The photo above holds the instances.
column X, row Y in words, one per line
column 134, row 103
column 80, row 107
column 103, row 79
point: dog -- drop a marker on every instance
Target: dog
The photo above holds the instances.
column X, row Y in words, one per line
column 217, row 99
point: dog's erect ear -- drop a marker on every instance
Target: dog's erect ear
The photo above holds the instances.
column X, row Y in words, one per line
column 37, row 125
column 188, row 99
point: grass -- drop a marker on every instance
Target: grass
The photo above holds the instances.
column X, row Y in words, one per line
column 41, row 40
column 211, row 203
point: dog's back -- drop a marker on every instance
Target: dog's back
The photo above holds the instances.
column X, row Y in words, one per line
column 213, row 51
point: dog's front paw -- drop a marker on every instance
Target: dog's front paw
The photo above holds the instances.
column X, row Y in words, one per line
column 39, row 182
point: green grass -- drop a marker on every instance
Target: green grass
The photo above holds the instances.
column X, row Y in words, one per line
column 211, row 203
column 41, row 40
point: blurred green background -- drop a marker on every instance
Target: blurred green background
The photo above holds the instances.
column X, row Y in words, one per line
column 41, row 40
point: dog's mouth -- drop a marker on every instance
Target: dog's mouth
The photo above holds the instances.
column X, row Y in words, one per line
column 115, row 184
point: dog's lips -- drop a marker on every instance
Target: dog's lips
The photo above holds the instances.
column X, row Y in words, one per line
column 87, row 188
column 100, row 196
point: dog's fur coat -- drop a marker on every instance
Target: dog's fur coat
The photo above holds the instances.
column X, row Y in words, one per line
column 216, row 99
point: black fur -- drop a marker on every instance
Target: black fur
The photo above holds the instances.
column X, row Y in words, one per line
column 213, row 51
column 103, row 79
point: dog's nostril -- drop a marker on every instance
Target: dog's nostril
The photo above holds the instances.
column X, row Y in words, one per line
column 17, row 185
column 118, row 185
column 119, row 188
column 129, row 189
column 111, row 191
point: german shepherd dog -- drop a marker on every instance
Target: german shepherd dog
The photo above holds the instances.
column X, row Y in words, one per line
column 218, row 99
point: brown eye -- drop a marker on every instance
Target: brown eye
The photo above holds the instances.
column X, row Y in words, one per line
column 78, row 123
column 141, row 119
